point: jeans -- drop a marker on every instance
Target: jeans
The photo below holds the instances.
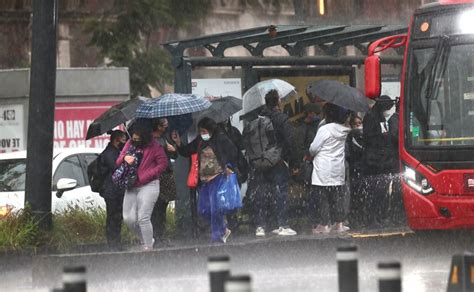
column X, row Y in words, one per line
column 274, row 182
column 326, row 205
column 208, row 209
column 138, row 206
column 113, row 222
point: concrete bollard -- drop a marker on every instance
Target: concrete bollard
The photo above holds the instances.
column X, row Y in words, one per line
column 461, row 277
column 347, row 269
column 238, row 284
column 390, row 277
column 74, row 279
column 219, row 270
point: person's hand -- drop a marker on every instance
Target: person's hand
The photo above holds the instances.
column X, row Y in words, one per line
column 295, row 172
column 129, row 159
column 170, row 148
column 176, row 138
column 228, row 171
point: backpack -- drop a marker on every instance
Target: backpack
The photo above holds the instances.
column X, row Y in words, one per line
column 126, row 175
column 95, row 175
column 260, row 143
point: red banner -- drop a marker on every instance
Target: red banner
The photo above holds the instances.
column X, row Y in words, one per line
column 71, row 121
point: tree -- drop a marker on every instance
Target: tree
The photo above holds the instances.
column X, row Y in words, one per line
column 125, row 37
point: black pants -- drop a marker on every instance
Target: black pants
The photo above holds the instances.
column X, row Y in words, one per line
column 326, row 205
column 113, row 223
column 158, row 219
column 357, row 210
column 377, row 192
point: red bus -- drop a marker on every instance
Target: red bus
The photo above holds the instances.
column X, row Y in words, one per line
column 436, row 114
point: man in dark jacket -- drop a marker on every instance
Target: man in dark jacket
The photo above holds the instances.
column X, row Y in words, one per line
column 276, row 178
column 306, row 128
column 380, row 155
column 111, row 193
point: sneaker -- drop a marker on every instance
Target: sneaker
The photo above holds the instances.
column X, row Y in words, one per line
column 321, row 229
column 260, row 232
column 286, row 231
column 340, row 228
column 226, row 235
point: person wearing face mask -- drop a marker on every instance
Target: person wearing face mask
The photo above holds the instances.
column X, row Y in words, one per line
column 379, row 157
column 145, row 155
column 112, row 195
column 167, row 183
column 217, row 155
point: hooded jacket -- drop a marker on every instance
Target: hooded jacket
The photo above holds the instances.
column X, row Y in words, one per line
column 328, row 149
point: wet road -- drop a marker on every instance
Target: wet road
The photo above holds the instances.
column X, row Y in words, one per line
column 305, row 263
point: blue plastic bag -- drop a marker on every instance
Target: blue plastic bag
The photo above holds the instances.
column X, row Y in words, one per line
column 227, row 197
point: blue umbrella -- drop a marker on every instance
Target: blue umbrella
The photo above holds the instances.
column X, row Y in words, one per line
column 172, row 104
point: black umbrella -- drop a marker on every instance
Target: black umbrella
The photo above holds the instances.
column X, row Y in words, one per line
column 114, row 116
column 339, row 94
column 221, row 109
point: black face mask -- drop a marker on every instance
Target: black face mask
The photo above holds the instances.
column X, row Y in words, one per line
column 120, row 145
column 137, row 143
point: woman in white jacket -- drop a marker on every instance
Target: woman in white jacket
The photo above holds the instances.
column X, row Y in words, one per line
column 328, row 178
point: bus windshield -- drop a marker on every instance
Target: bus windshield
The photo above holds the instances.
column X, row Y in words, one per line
column 440, row 102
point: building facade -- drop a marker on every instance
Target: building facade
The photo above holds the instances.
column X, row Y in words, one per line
column 225, row 15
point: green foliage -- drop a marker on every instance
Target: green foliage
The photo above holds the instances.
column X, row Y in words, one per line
column 71, row 228
column 18, row 231
column 125, row 36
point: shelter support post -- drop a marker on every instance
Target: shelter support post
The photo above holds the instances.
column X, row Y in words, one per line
column 39, row 157
column 186, row 207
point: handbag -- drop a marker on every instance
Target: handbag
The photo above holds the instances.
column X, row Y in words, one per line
column 193, row 176
column 126, row 176
column 228, row 194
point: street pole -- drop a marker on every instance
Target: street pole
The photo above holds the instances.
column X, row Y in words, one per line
column 41, row 110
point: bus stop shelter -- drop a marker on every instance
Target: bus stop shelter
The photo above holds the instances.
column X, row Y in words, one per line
column 329, row 42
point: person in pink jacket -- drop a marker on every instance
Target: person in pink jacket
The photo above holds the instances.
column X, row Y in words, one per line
column 150, row 159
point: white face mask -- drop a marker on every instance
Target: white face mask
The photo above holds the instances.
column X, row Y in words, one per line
column 387, row 114
column 205, row 137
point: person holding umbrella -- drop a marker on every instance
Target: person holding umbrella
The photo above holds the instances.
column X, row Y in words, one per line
column 112, row 194
column 167, row 183
column 147, row 156
column 216, row 157
column 328, row 179
column 275, row 179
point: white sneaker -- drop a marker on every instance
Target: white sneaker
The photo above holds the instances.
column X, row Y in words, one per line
column 286, row 231
column 340, row 228
column 260, row 232
column 226, row 235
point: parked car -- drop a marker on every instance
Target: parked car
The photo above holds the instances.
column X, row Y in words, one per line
column 70, row 184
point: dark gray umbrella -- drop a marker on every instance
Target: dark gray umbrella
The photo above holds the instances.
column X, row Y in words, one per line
column 339, row 94
column 221, row 109
column 114, row 116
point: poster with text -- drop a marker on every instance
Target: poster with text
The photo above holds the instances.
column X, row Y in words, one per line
column 71, row 121
column 12, row 128
column 220, row 87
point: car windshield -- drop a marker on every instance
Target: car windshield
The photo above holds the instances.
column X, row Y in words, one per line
column 441, row 98
column 12, row 175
